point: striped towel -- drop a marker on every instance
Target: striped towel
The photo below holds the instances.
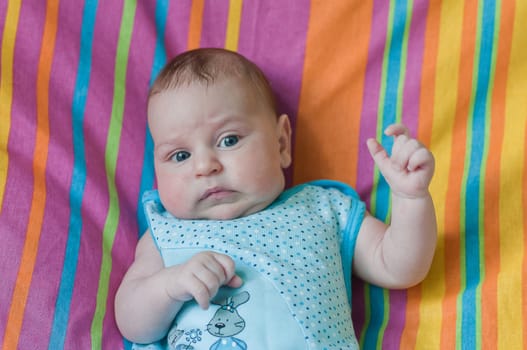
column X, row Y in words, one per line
column 75, row 153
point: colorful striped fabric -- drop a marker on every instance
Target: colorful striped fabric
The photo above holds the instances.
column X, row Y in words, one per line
column 75, row 154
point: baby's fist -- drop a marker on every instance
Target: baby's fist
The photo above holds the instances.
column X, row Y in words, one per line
column 410, row 167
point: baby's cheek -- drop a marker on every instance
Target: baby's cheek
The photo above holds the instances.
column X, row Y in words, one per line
column 175, row 199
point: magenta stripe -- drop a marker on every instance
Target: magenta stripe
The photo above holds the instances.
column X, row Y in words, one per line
column 214, row 26
column 414, row 63
column 269, row 41
column 95, row 200
column 358, row 306
column 178, row 19
column 3, row 12
column 19, row 183
column 368, row 128
column 59, row 168
column 372, row 85
column 394, row 329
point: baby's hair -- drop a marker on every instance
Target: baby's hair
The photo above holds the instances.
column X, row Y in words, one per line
column 207, row 65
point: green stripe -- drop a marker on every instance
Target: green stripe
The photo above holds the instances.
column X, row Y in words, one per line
column 367, row 313
column 112, row 147
column 386, row 317
column 382, row 99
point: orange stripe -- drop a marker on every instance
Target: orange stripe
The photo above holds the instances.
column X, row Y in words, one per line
column 36, row 215
column 492, row 185
column 196, row 18
column 426, row 98
column 328, row 121
column 411, row 325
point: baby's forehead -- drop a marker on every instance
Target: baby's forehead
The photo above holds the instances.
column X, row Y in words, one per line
column 224, row 85
column 237, row 93
column 250, row 88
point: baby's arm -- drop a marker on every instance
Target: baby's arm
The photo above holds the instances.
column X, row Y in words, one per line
column 399, row 255
column 151, row 295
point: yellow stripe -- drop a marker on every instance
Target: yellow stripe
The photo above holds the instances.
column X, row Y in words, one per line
column 447, row 69
column 233, row 25
column 6, row 88
column 510, row 303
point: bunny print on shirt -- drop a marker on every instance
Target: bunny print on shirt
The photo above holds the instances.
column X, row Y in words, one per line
column 224, row 325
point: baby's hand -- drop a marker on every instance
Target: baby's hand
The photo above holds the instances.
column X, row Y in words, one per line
column 410, row 168
column 201, row 277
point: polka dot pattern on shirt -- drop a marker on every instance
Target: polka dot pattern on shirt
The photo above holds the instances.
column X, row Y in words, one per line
column 295, row 244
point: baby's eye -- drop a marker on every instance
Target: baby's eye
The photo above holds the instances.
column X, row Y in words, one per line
column 229, row 141
column 180, row 156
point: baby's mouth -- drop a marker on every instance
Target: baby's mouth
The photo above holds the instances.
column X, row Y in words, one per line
column 216, row 193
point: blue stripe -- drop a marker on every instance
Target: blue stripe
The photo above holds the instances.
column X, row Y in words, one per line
column 389, row 115
column 373, row 335
column 78, row 181
column 473, row 185
column 160, row 57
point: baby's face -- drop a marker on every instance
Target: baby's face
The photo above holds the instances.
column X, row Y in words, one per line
column 219, row 150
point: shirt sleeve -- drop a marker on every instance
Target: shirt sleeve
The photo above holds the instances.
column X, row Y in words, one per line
column 350, row 210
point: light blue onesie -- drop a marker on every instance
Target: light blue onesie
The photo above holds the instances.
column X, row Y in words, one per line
column 295, row 259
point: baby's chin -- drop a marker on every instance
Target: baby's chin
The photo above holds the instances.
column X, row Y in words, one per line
column 231, row 211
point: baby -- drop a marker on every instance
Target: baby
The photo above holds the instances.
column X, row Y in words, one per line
column 231, row 259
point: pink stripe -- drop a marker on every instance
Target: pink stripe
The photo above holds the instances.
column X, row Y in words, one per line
column 178, row 18
column 358, row 306
column 414, row 63
column 95, row 199
column 372, row 84
column 19, row 190
column 370, row 104
column 3, row 13
column 276, row 42
column 214, row 26
column 394, row 329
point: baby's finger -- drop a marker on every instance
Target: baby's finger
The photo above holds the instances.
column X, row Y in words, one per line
column 396, row 130
column 200, row 292
column 235, row 282
column 402, row 151
column 421, row 159
column 379, row 155
column 228, row 267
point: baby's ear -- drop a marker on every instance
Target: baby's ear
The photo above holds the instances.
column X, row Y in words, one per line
column 284, row 139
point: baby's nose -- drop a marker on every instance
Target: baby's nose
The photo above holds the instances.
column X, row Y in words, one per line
column 207, row 164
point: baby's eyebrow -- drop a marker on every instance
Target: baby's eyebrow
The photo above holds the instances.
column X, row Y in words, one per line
column 172, row 140
column 165, row 147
